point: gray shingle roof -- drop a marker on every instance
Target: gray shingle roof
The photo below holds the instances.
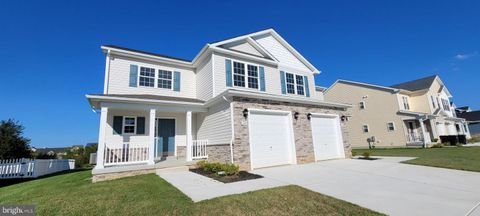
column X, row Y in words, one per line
column 470, row 116
column 416, row 85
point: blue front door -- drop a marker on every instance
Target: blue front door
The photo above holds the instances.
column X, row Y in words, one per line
column 165, row 137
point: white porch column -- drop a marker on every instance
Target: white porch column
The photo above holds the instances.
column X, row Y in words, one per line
column 189, row 135
column 151, row 136
column 101, row 138
column 422, row 126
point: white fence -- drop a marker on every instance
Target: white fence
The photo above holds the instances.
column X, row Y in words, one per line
column 199, row 149
column 32, row 168
column 125, row 155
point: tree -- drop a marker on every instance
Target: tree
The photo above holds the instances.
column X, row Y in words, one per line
column 12, row 143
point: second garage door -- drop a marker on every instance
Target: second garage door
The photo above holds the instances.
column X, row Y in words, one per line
column 270, row 138
column 327, row 137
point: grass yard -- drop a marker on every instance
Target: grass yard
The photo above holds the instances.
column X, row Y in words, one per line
column 74, row 194
column 461, row 158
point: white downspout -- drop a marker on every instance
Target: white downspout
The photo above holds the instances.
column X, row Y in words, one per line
column 232, row 127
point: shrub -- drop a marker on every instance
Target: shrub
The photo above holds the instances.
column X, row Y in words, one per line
column 366, row 154
column 438, row 145
column 215, row 167
column 435, row 139
column 354, row 153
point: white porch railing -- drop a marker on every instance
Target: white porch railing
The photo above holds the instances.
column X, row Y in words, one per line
column 414, row 137
column 125, row 155
column 199, row 149
column 32, row 168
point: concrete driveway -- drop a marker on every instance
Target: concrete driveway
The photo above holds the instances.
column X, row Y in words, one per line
column 387, row 186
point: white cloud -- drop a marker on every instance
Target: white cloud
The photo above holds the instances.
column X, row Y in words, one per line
column 466, row 55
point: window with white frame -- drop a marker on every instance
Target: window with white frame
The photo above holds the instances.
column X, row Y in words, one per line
column 300, row 85
column 446, row 104
column 365, row 129
column 238, row 74
column 290, row 81
column 147, row 77
column 390, row 126
column 406, row 105
column 164, row 79
column 252, row 76
column 361, row 105
column 129, row 125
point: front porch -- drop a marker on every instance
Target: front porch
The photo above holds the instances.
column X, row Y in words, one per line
column 136, row 138
column 418, row 132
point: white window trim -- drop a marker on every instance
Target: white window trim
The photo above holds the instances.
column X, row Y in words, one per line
column 364, row 105
column 157, row 74
column 388, row 127
column 406, row 103
column 246, row 76
column 134, row 125
column 295, row 85
column 368, row 128
column 158, row 77
column 154, row 76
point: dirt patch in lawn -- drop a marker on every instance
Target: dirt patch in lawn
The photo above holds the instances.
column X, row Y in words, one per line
column 242, row 176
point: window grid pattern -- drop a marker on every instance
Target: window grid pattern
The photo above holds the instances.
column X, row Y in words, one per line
column 365, row 128
column 300, row 85
column 252, row 76
column 147, row 77
column 164, row 79
column 390, row 126
column 129, row 125
column 238, row 74
column 290, row 79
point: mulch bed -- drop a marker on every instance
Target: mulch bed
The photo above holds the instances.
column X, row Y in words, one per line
column 370, row 158
column 242, row 176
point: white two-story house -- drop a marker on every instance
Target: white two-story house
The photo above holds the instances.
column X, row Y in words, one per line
column 249, row 100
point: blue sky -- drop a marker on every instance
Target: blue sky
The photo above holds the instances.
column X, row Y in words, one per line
column 50, row 52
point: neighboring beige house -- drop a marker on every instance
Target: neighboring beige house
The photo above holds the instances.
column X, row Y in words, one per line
column 249, row 100
column 407, row 114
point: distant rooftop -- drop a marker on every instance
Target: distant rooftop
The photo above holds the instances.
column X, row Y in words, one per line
column 415, row 85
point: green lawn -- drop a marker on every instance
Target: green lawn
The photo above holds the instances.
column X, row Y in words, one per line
column 461, row 158
column 74, row 194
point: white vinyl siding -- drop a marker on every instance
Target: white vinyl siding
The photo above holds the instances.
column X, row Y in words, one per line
column 215, row 125
column 118, row 79
column 272, row 77
column 204, row 80
column 274, row 47
column 244, row 47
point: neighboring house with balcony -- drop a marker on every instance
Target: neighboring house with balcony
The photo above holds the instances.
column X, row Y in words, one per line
column 249, row 100
column 414, row 113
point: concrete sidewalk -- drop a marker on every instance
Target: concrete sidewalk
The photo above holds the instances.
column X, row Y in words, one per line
column 387, row 186
column 199, row 187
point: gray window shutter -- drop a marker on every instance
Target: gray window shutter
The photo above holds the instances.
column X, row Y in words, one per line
column 140, row 125
column 228, row 72
column 307, row 89
column 176, row 81
column 262, row 78
column 117, row 124
column 282, row 82
column 133, row 75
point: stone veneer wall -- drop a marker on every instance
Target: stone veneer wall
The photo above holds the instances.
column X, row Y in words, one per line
column 219, row 153
column 301, row 128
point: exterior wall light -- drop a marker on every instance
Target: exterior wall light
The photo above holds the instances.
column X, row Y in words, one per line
column 245, row 113
column 295, row 115
column 309, row 116
column 344, row 118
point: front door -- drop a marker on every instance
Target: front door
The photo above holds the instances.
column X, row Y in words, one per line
column 165, row 137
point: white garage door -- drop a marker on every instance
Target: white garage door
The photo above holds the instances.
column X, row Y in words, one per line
column 270, row 138
column 327, row 137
